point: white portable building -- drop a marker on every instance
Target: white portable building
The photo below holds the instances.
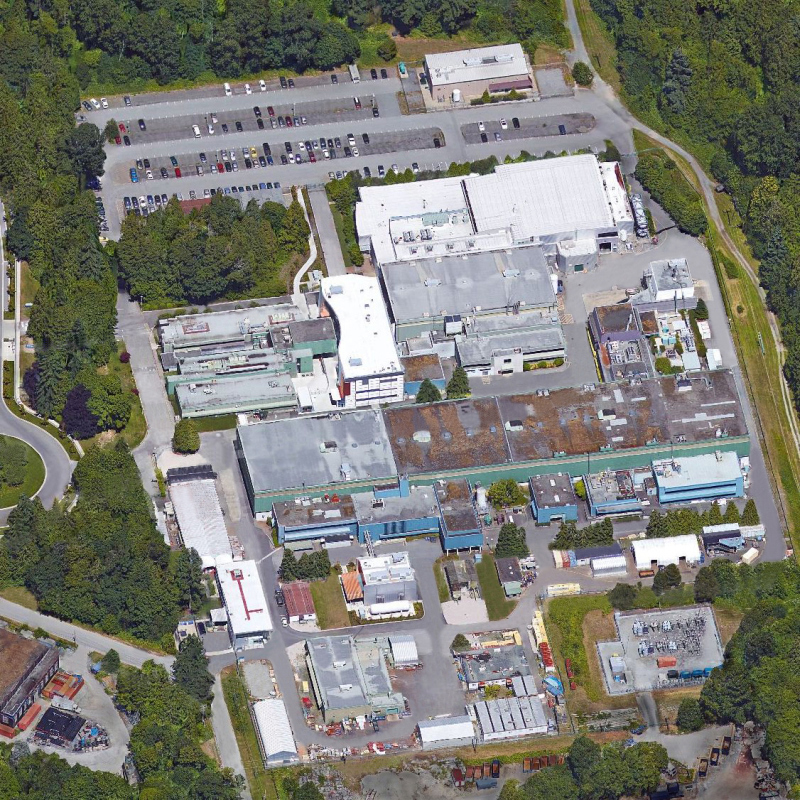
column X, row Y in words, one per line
column 669, row 550
column 404, row 650
column 274, row 733
column 446, row 732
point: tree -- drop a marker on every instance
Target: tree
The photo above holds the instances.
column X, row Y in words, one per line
column 288, row 565
column 701, row 310
column 428, row 393
column 677, row 82
column 190, row 670
column 506, row 493
column 645, row 761
column 667, row 578
column 511, row 542
column 656, row 526
column 706, row 587
column 387, row 49
column 731, row 514
column 512, row 791
column 690, row 715
column 622, row 597
column 110, row 662
column 186, row 439
column 583, row 754
column 458, row 385
column 551, row 784
column 187, row 573
column 609, row 777
column 77, row 419
column 111, row 131
column 86, row 151
column 750, row 514
column 714, row 516
column 460, row 642
column 582, row 74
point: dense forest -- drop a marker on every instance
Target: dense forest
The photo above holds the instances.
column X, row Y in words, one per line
column 219, row 250
column 104, row 563
column 722, row 77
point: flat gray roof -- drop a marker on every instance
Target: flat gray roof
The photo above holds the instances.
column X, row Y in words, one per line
column 480, row 349
column 494, row 664
column 420, row 503
column 553, row 490
column 312, row 330
column 338, row 671
column 306, row 452
column 458, row 512
column 256, row 390
column 316, row 511
column 457, row 285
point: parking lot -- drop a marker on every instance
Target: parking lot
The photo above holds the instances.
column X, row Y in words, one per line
column 526, row 127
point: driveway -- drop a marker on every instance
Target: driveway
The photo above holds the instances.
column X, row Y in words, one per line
column 326, row 229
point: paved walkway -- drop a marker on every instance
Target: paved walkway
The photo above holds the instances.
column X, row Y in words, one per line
column 326, row 230
column 227, row 746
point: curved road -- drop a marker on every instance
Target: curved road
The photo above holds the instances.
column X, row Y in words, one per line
column 57, row 463
column 707, row 186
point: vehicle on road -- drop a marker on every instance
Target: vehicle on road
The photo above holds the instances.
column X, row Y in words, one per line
column 248, row 89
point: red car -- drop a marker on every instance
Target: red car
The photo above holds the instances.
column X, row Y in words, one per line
column 220, row 167
column 289, row 122
column 311, row 157
column 118, row 139
column 177, row 172
column 122, row 128
column 271, row 111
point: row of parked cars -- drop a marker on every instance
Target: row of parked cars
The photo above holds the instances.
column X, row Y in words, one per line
column 147, row 204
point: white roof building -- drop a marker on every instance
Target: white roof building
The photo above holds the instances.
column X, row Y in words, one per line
column 370, row 371
column 200, row 520
column 478, row 64
column 274, row 733
column 446, row 732
column 669, row 550
column 404, row 649
column 249, row 620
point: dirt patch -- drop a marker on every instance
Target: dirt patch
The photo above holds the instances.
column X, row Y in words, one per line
column 728, row 620
column 415, row 49
column 210, row 749
column 406, row 786
column 668, row 703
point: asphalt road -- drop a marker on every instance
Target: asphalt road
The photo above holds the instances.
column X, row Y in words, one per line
column 326, row 230
column 57, row 463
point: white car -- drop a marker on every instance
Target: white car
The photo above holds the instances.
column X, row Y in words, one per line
column 326, row 154
column 481, row 127
column 104, row 102
column 301, row 146
column 210, row 128
column 213, row 117
column 284, row 622
column 95, row 102
column 355, row 152
column 503, row 124
column 247, row 89
column 149, row 175
column 262, row 85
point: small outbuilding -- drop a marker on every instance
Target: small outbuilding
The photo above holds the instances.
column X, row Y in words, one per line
column 446, row 732
column 299, row 603
column 510, row 576
column 655, row 553
column 404, row 650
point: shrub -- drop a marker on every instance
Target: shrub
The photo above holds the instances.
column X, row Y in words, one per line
column 387, row 49
column 459, row 643
column 186, row 439
column 690, row 715
column 505, row 493
column 582, row 74
column 124, row 357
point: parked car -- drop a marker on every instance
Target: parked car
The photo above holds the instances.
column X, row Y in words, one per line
column 334, row 79
column 142, row 126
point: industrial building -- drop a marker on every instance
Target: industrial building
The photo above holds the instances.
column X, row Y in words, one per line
column 446, row 732
column 449, row 294
column 299, row 603
column 492, row 667
column 462, row 577
column 460, row 527
column 194, row 498
column 58, row 727
column 546, row 202
column 612, row 492
column 508, row 353
column 403, row 648
column 396, row 510
column 655, row 553
column 27, row 667
column 509, row 575
column 619, row 333
column 370, row 372
column 579, row 431
column 553, row 498
column 464, row 74
column 249, row 621
column 349, row 679
column 510, row 718
column 387, row 579
column 667, row 285
column 706, row 477
column 275, row 738
column 315, row 518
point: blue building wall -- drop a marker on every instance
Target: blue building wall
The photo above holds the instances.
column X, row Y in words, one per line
column 544, row 515
column 601, row 509
column 461, row 540
column 710, row 491
column 412, row 387
column 398, row 528
column 293, row 533
column 401, row 488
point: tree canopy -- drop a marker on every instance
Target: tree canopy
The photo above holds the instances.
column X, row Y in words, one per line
column 186, row 439
column 511, row 542
column 458, row 385
column 506, row 493
column 428, row 393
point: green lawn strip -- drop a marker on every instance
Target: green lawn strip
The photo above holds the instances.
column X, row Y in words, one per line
column 498, row 605
column 34, row 478
column 329, row 603
column 225, row 422
column 343, row 244
column 136, row 429
column 21, row 596
column 238, row 701
column 564, row 622
column 441, row 581
column 599, row 44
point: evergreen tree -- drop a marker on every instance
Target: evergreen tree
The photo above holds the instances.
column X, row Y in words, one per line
column 656, row 525
column 428, row 393
column 701, row 310
column 288, row 565
column 731, row 514
column 511, row 542
column 677, row 82
column 190, row 670
column 750, row 513
column 186, row 439
column 622, row 597
column 714, row 514
column 582, row 74
column 458, row 385
column 110, row 661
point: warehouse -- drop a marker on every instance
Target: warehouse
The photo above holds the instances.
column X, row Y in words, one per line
column 275, row 738
column 583, row 556
column 707, row 477
column 612, row 492
column 553, row 498
column 464, row 74
column 58, row 727
column 315, row 518
column 369, row 369
column 668, row 285
column 249, row 622
column 27, row 667
column 446, row 732
column 508, row 353
column 387, row 579
column 492, row 667
column 386, row 513
column 193, row 494
column 350, row 681
column 404, row 650
column 655, row 553
column 510, row 718
column 449, row 294
column 299, row 603
column 461, row 529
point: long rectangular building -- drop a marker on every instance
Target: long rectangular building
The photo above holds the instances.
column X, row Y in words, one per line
column 249, row 621
column 577, row 431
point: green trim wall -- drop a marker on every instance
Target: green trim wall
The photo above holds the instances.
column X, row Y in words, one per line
column 574, row 465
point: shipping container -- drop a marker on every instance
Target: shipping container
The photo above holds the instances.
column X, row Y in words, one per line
column 714, row 760
column 646, row 573
column 666, row 661
column 726, row 745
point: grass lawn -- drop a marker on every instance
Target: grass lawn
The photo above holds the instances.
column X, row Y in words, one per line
column 574, row 624
column 329, row 603
column 339, row 223
column 34, row 478
column 21, row 596
column 29, row 287
column 225, row 422
column 441, row 581
column 238, row 702
column 728, row 620
column 498, row 605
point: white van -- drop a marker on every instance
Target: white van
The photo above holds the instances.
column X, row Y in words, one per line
column 228, row 91
column 196, row 131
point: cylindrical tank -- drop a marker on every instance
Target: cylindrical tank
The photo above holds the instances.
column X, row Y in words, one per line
column 480, row 498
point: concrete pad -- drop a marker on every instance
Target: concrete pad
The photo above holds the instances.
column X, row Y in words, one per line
column 465, row 612
column 259, row 682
